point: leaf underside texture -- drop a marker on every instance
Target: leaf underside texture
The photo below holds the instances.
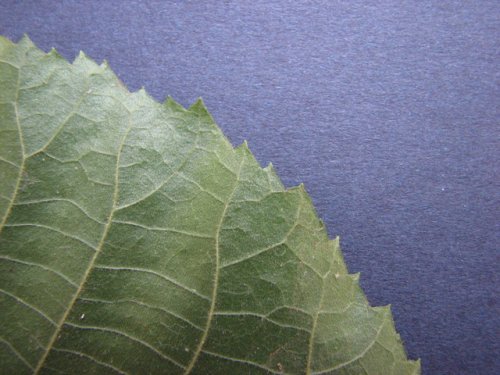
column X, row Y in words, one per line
column 135, row 240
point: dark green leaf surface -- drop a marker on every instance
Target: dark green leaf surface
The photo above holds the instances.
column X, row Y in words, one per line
column 135, row 239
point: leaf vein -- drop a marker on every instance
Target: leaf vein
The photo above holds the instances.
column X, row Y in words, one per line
column 28, row 305
column 96, row 253
column 160, row 275
column 270, row 247
column 18, row 355
column 216, row 275
column 315, row 321
column 9, row 63
column 90, row 358
column 54, row 230
column 261, row 316
column 9, row 162
column 188, row 233
column 163, row 184
column 357, row 357
column 61, row 126
column 50, row 200
column 129, row 337
column 62, row 276
column 244, row 361
column 21, row 168
column 180, row 317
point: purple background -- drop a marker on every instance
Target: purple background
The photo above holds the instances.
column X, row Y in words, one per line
column 388, row 111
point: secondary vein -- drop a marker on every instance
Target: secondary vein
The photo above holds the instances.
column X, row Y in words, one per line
column 94, row 257
column 23, row 160
column 216, row 276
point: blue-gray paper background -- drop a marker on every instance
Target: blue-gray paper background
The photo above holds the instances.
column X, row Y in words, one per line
column 388, row 111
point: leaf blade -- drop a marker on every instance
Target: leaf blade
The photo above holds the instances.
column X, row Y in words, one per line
column 140, row 232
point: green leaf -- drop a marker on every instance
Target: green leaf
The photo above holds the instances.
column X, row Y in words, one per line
column 135, row 239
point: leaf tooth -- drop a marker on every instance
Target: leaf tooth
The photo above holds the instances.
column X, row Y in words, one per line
column 295, row 188
column 54, row 53
column 302, row 190
column 417, row 366
column 274, row 180
column 243, row 148
column 81, row 55
column 104, row 64
column 80, row 59
column 250, row 157
column 336, row 242
column 322, row 225
column 86, row 64
column 355, row 277
column 173, row 105
column 337, row 258
column 199, row 107
column 5, row 41
column 25, row 41
column 144, row 95
column 269, row 167
column 108, row 73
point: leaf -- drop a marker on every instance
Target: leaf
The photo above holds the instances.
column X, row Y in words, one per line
column 135, row 239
